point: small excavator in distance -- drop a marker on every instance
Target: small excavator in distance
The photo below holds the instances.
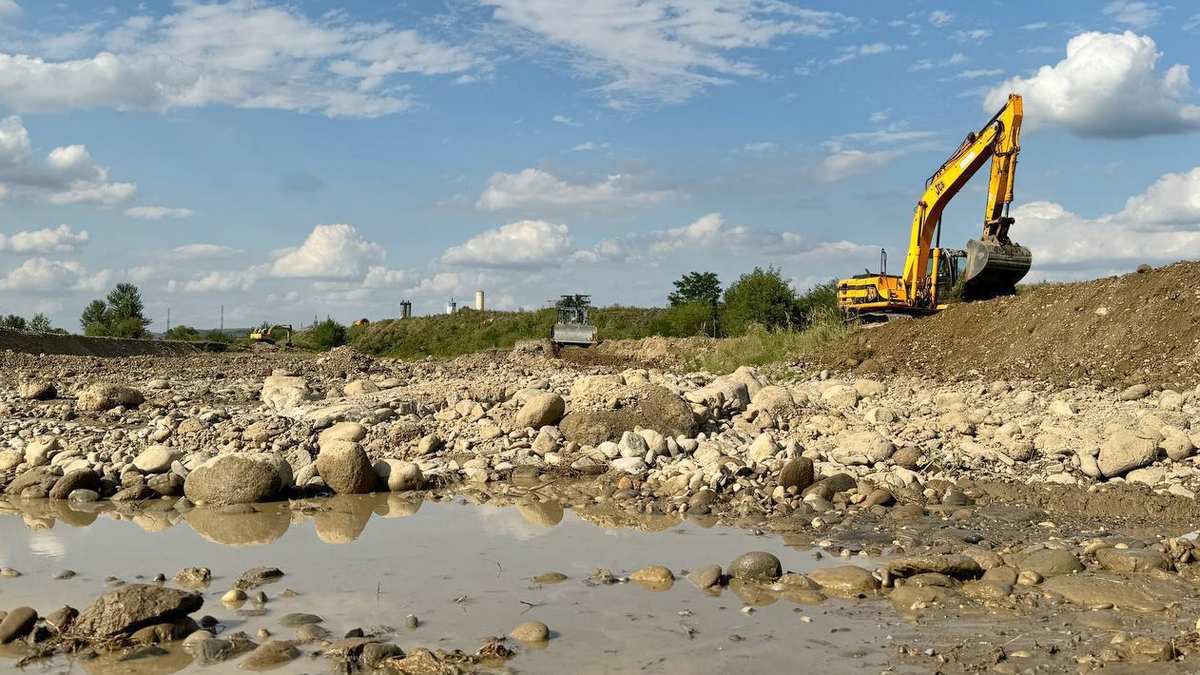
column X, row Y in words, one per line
column 994, row 264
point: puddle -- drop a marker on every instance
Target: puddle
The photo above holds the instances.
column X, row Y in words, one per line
column 465, row 570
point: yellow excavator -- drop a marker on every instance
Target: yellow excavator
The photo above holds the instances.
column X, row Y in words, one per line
column 993, row 264
column 268, row 335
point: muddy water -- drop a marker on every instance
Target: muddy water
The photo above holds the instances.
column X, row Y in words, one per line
column 466, row 571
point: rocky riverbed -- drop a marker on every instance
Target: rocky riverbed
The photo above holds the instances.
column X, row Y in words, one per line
column 963, row 510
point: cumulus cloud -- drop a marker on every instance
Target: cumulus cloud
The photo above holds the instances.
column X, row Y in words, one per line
column 45, row 275
column 519, row 244
column 68, row 174
column 241, row 53
column 158, row 212
column 202, row 251
column 608, row 250
column 329, row 251
column 662, row 51
column 535, row 187
column 218, row 281
column 1107, row 86
column 61, row 239
column 707, row 230
column 1161, row 224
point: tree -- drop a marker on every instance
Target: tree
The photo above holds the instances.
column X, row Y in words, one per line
column 215, row 335
column 182, row 332
column 122, row 315
column 13, row 322
column 327, row 335
column 702, row 287
column 40, row 323
column 760, row 297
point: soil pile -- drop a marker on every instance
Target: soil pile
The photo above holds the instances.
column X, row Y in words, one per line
column 1116, row 331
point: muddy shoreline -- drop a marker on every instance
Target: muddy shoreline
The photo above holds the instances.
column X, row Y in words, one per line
column 922, row 525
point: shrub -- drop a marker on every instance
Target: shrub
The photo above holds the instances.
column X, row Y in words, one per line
column 761, row 297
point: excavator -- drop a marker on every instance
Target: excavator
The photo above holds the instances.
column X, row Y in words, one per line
column 993, row 263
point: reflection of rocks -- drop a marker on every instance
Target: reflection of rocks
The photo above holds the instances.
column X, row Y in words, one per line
column 343, row 518
column 145, row 661
column 545, row 514
column 75, row 517
column 240, row 529
column 156, row 521
column 610, row 517
column 396, row 506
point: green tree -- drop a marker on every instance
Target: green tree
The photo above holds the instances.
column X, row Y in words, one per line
column 40, row 323
column 326, row 335
column 182, row 332
column 13, row 322
column 120, row 315
column 818, row 301
column 702, row 287
column 760, row 297
column 215, row 335
column 94, row 319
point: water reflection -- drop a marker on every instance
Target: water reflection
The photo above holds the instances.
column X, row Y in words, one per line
column 336, row 520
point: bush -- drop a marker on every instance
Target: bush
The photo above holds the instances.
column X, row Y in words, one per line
column 324, row 336
column 760, row 297
column 215, row 335
column 121, row 314
column 182, row 333
column 759, row 346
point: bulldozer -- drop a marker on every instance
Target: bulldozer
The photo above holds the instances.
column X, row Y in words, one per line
column 989, row 267
column 573, row 327
column 267, row 334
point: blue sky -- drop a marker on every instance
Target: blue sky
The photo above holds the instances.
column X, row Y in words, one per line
column 287, row 160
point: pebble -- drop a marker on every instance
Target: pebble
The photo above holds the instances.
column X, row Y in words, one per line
column 531, row 631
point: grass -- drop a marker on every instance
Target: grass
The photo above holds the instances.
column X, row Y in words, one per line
column 467, row 331
column 760, row 347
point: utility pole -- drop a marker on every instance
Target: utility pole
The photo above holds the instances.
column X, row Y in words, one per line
column 168, row 319
column 222, row 318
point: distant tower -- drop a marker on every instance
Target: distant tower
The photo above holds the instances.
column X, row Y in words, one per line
column 451, row 306
column 479, row 300
column 406, row 310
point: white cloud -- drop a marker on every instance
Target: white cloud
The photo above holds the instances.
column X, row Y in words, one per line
column 1036, row 25
column 157, row 212
column 929, row 64
column 662, row 51
column 241, row 53
column 61, row 239
column 382, row 277
column 851, row 52
column 68, row 175
column 940, row 17
column 9, row 8
column 330, row 251
column 605, row 251
column 1172, row 201
column 972, row 35
column 1107, row 86
column 519, row 244
column 843, row 164
column 534, row 187
column 1139, row 15
column 761, row 147
column 202, row 251
column 44, row 275
column 978, row 73
column 588, row 146
column 218, row 281
column 704, row 231
column 1161, row 224
column 1192, row 23
column 563, row 119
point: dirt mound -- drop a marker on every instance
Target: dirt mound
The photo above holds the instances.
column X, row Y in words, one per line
column 1116, row 331
column 651, row 352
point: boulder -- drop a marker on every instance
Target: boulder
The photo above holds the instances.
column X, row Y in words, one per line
column 134, row 606
column 238, row 478
column 1123, row 451
column 840, row 396
column 37, row 390
column 80, row 479
column 285, row 393
column 345, row 468
column 38, row 451
column 1135, row 392
column 10, row 459
column 399, row 475
column 863, row 445
column 106, row 395
column 756, row 566
column 797, row 472
column 774, row 400
column 360, row 387
column 17, row 624
column 157, row 459
column 656, row 408
column 845, row 580
column 763, row 448
column 540, row 410
column 1051, row 562
column 343, row 431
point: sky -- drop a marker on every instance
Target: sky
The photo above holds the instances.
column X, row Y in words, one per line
column 287, row 160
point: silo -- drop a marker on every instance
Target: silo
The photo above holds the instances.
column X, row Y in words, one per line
column 479, row 300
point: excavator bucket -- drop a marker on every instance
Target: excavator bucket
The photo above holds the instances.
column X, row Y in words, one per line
column 994, row 269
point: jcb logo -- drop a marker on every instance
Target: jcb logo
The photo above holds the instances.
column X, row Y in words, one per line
column 939, row 186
